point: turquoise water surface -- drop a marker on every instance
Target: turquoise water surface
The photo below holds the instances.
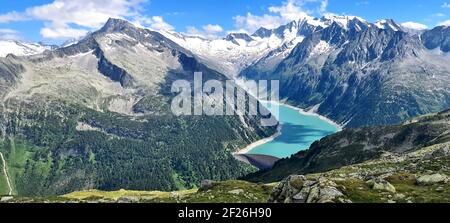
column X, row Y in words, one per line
column 298, row 132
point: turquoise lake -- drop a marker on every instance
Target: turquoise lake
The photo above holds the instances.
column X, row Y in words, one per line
column 298, row 132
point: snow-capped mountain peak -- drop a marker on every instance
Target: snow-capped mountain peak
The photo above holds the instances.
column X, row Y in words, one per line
column 344, row 21
column 388, row 24
column 237, row 50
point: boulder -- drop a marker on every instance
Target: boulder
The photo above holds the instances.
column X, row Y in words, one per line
column 432, row 179
column 298, row 189
column 329, row 195
column 6, row 199
column 381, row 185
column 206, row 185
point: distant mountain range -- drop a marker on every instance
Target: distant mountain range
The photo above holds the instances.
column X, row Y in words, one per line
column 352, row 71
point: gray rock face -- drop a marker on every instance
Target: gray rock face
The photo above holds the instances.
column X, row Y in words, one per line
column 112, row 71
column 233, row 37
column 10, row 68
column 438, row 37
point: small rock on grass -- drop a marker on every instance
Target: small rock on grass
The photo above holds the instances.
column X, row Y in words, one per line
column 236, row 192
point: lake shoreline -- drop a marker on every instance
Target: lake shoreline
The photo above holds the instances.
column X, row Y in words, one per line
column 250, row 147
column 310, row 113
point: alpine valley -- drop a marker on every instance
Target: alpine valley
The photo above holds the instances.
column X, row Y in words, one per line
column 95, row 116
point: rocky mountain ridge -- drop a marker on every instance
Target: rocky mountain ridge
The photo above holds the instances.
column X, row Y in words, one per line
column 362, row 74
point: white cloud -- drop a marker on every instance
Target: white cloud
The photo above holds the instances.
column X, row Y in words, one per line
column 8, row 31
column 414, row 25
column 289, row 10
column 446, row 5
column 213, row 28
column 362, row 3
column 87, row 13
column 62, row 32
column 445, row 23
column 438, row 14
column 209, row 31
column 9, row 34
column 156, row 23
column 323, row 7
column 250, row 23
column 12, row 17
column 68, row 18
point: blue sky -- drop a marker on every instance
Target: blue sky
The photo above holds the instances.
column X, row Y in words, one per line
column 54, row 21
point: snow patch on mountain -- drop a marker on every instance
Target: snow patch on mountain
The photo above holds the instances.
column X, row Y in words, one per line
column 343, row 21
column 321, row 48
column 20, row 49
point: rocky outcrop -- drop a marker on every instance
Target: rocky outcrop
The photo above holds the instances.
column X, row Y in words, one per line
column 112, row 71
column 408, row 178
column 299, row 189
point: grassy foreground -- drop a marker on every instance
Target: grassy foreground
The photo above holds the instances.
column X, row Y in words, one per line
column 422, row 176
column 221, row 192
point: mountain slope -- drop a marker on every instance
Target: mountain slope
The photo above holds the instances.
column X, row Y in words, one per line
column 97, row 115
